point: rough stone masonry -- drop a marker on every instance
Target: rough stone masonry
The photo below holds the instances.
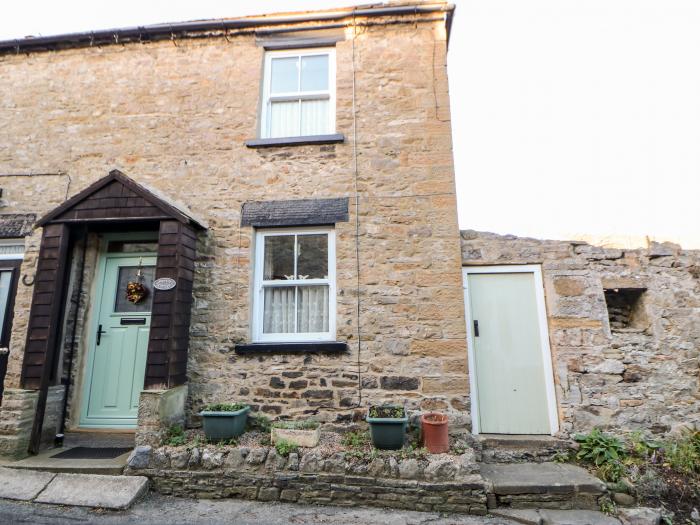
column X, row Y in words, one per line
column 624, row 327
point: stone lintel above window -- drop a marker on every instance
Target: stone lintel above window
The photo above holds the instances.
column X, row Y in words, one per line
column 302, row 212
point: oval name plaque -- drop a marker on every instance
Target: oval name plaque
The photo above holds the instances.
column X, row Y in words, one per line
column 164, row 283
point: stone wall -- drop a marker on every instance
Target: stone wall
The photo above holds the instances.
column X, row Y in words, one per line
column 16, row 420
column 441, row 484
column 641, row 374
column 175, row 116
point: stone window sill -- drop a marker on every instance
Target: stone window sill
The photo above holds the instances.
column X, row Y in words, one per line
column 325, row 347
column 296, row 141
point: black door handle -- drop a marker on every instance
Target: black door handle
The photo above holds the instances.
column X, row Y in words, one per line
column 476, row 328
column 99, row 334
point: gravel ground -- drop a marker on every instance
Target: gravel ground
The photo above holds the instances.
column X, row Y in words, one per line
column 156, row 509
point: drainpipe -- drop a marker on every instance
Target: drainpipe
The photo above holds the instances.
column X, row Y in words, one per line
column 58, row 440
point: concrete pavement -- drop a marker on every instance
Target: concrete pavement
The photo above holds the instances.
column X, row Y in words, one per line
column 156, row 510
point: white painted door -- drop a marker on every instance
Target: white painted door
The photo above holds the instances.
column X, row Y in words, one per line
column 508, row 353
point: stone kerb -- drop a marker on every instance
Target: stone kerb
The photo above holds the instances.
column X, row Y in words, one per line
column 439, row 483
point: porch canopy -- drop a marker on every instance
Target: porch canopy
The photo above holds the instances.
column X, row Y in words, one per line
column 115, row 202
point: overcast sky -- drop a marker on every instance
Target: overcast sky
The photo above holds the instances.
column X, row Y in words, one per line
column 570, row 118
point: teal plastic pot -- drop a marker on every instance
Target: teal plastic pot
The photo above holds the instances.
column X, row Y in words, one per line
column 224, row 425
column 387, row 433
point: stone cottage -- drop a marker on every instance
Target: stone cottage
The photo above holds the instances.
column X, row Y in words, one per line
column 263, row 210
column 259, row 209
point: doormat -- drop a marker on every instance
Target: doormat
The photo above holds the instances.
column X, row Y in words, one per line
column 90, row 453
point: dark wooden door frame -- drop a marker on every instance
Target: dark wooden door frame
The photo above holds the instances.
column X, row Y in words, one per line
column 12, row 265
column 119, row 202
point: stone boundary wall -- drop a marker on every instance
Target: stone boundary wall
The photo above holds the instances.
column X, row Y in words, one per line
column 442, row 483
column 621, row 379
column 16, row 419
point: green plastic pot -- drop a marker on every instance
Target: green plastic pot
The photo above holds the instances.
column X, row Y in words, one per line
column 224, row 425
column 388, row 433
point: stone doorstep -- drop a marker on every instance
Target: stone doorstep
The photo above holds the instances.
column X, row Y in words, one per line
column 87, row 490
column 45, row 462
column 541, row 478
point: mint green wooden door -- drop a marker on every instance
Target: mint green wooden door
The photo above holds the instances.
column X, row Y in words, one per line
column 510, row 376
column 117, row 363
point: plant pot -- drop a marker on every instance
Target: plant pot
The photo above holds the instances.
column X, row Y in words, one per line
column 301, row 438
column 388, row 433
column 435, row 436
column 224, row 425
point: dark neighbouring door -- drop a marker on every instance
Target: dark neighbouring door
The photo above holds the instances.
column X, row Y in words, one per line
column 9, row 274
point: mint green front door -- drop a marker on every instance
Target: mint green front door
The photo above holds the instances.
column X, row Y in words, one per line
column 508, row 353
column 117, row 361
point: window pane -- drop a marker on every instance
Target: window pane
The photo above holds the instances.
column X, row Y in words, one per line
column 284, row 119
column 127, row 274
column 285, row 75
column 12, row 249
column 314, row 117
column 278, row 312
column 312, row 309
column 5, row 278
column 279, row 257
column 132, row 246
column 312, row 262
column 314, row 73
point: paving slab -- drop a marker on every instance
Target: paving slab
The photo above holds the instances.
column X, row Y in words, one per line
column 540, row 478
column 94, row 490
column 22, row 485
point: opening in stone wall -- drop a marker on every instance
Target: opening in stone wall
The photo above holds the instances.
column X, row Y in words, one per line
column 625, row 308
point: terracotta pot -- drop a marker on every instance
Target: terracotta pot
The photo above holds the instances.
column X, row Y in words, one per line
column 435, row 437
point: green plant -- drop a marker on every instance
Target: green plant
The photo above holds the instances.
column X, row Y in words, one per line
column 175, row 437
column 259, row 422
column 387, row 411
column 284, row 447
column 562, row 457
column 224, row 407
column 607, row 506
column 641, row 447
column 356, row 439
column 599, row 448
column 307, row 424
column 683, row 453
column 227, row 442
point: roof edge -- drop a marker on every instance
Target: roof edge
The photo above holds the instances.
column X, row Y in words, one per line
column 185, row 29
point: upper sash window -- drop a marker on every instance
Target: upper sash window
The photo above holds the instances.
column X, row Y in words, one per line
column 299, row 93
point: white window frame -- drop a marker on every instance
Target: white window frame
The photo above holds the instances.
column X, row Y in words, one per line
column 12, row 256
column 297, row 95
column 260, row 284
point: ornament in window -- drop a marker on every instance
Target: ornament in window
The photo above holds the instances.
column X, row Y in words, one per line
column 136, row 291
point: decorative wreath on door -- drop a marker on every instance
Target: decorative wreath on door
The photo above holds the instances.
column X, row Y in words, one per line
column 136, row 291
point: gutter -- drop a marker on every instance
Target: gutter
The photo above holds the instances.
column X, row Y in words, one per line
column 182, row 29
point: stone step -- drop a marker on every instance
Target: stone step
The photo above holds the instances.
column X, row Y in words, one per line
column 542, row 486
column 85, row 490
column 502, row 448
column 45, row 462
column 555, row 517
column 96, row 439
